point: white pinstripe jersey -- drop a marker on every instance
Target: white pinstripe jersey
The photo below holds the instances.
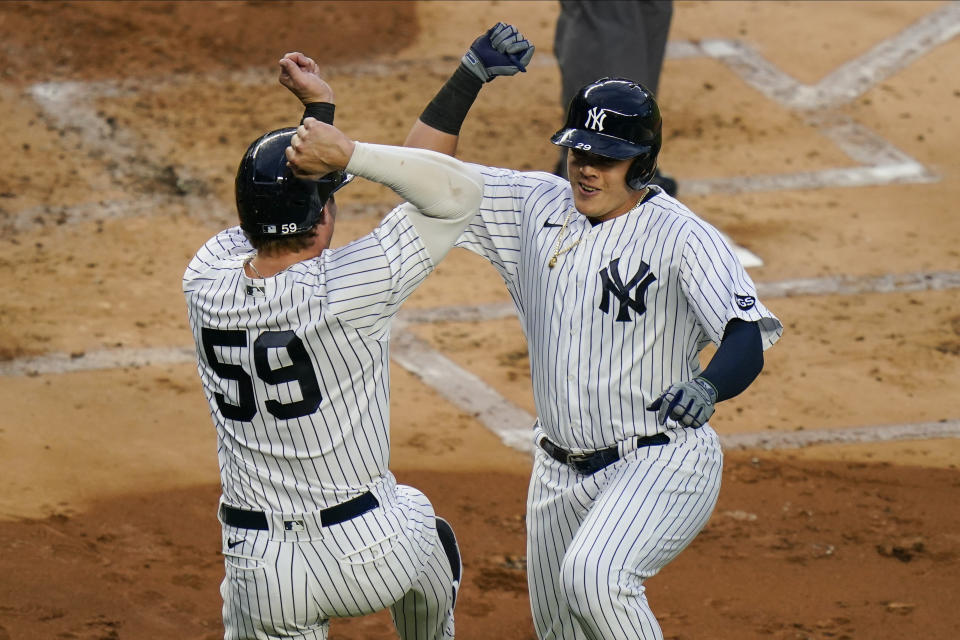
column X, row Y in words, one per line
column 295, row 367
column 625, row 312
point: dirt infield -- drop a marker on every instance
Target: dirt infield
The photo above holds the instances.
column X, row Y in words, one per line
column 819, row 136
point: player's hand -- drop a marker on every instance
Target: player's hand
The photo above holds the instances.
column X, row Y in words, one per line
column 318, row 148
column 690, row 403
column 301, row 75
column 501, row 51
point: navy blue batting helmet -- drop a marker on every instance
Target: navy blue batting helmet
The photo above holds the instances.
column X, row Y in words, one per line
column 615, row 118
column 271, row 201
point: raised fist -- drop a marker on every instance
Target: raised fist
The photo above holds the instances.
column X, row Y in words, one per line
column 501, row 51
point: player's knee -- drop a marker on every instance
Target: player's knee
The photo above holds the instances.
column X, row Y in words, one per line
column 592, row 584
column 580, row 577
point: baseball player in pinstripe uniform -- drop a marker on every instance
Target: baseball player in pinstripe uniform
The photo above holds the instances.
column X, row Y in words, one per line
column 292, row 342
column 618, row 288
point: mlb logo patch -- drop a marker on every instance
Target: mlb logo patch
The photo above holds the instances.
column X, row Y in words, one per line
column 293, row 525
column 269, row 228
column 256, row 292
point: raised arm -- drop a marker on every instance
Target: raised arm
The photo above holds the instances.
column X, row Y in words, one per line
column 301, row 75
column 501, row 51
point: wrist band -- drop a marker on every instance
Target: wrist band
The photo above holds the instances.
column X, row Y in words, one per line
column 448, row 109
column 322, row 111
column 707, row 386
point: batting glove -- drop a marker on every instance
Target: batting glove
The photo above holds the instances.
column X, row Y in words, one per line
column 690, row 403
column 501, row 51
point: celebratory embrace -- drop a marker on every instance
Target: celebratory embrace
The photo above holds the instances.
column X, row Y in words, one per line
column 618, row 287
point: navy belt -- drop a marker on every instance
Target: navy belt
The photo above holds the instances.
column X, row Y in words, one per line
column 342, row 512
column 587, row 463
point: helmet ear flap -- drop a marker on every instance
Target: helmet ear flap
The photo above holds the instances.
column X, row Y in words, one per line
column 642, row 170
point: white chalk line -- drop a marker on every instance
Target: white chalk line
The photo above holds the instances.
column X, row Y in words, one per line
column 856, row 77
column 885, row 164
column 853, row 285
column 854, row 435
column 845, row 83
column 98, row 360
column 463, row 389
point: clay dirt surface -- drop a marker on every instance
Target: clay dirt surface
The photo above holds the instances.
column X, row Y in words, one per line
column 123, row 125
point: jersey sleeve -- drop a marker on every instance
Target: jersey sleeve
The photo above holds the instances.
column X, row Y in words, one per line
column 495, row 232
column 367, row 280
column 718, row 288
column 229, row 242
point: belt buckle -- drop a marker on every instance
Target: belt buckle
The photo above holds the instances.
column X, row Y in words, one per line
column 582, row 462
column 578, row 458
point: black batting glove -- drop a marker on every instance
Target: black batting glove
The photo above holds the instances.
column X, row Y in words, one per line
column 689, row 403
column 501, row 51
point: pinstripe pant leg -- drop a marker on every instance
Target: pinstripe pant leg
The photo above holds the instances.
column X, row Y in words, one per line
column 426, row 611
column 553, row 517
column 652, row 507
column 266, row 593
column 246, row 589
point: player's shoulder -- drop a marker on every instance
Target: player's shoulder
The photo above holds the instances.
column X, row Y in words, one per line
column 498, row 176
column 546, row 186
column 671, row 211
column 223, row 250
column 533, row 194
column 669, row 204
column 369, row 251
column 229, row 242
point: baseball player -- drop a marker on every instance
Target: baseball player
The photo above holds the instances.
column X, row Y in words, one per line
column 618, row 287
column 292, row 346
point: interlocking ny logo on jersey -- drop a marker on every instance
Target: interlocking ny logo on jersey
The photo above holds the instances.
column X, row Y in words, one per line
column 612, row 284
column 595, row 118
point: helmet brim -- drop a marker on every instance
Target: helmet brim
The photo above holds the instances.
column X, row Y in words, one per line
column 599, row 144
column 347, row 179
column 331, row 183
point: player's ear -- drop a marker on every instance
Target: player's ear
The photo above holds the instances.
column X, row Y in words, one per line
column 329, row 210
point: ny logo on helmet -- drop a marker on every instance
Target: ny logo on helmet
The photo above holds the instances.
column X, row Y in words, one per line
column 595, row 118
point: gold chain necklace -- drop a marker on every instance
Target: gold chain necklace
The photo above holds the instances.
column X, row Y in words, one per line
column 559, row 252
column 249, row 261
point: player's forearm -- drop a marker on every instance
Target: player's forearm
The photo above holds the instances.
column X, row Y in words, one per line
column 423, row 136
column 438, row 127
column 738, row 360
